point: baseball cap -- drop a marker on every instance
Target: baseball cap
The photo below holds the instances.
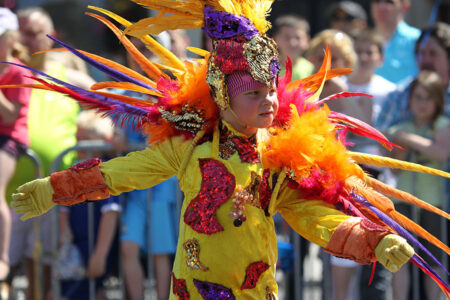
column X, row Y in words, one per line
column 8, row 20
column 352, row 9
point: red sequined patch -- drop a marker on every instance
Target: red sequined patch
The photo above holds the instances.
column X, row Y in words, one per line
column 179, row 288
column 86, row 164
column 253, row 273
column 230, row 56
column 217, row 187
column 229, row 144
column 265, row 191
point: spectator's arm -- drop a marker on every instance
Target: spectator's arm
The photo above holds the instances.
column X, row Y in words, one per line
column 9, row 110
column 64, row 227
column 79, row 79
column 438, row 148
column 106, row 231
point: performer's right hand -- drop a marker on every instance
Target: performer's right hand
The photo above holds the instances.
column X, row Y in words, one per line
column 34, row 198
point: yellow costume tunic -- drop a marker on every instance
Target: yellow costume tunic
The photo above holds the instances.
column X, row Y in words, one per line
column 222, row 257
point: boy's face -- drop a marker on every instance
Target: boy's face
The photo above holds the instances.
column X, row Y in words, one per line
column 369, row 56
column 388, row 11
column 292, row 41
column 252, row 109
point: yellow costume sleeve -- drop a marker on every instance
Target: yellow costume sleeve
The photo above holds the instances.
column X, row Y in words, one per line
column 315, row 220
column 146, row 168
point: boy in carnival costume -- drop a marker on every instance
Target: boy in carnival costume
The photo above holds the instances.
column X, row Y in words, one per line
column 244, row 145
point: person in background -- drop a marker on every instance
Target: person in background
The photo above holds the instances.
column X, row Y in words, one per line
column 426, row 140
column 343, row 56
column 14, row 137
column 369, row 48
column 160, row 226
column 52, row 129
column 432, row 54
column 400, row 38
column 103, row 259
column 291, row 33
column 179, row 41
column 347, row 16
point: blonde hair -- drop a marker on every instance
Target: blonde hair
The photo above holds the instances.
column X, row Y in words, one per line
column 338, row 40
column 18, row 50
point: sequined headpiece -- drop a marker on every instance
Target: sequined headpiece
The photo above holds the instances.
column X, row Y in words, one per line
column 237, row 46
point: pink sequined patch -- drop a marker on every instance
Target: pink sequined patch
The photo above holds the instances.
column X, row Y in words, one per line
column 254, row 271
column 216, row 188
column 179, row 288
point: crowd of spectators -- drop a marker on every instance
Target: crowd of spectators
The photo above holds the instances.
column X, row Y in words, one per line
column 405, row 69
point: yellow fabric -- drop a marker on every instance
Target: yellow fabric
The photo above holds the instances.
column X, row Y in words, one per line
column 393, row 252
column 34, row 198
column 228, row 253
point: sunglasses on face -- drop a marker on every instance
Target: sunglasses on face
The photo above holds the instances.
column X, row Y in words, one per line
column 383, row 1
column 342, row 18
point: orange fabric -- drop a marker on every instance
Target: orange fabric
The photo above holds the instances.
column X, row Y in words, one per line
column 356, row 239
column 74, row 186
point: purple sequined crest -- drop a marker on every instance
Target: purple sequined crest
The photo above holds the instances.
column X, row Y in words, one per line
column 223, row 25
column 213, row 291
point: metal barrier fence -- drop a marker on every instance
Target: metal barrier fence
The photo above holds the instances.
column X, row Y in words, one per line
column 300, row 284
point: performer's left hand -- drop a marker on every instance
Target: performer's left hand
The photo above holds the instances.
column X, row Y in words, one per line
column 393, row 252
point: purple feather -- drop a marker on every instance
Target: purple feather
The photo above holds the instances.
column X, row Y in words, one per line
column 423, row 265
column 115, row 108
column 391, row 223
column 119, row 76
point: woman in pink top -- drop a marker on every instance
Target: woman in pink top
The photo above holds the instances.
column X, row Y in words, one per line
column 13, row 122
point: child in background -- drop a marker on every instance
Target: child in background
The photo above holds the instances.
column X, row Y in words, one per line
column 14, row 137
column 344, row 56
column 291, row 33
column 426, row 140
column 103, row 259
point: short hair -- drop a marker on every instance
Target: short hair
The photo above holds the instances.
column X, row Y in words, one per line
column 338, row 39
column 27, row 12
column 433, row 84
column 369, row 35
column 440, row 31
column 294, row 21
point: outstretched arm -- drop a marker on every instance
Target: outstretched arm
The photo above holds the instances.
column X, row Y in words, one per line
column 92, row 180
column 341, row 235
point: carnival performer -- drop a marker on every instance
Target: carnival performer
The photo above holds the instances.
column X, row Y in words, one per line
column 244, row 144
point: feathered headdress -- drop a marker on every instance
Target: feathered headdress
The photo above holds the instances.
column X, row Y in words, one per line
column 307, row 139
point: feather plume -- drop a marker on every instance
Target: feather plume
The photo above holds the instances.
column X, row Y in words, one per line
column 380, row 161
column 165, row 55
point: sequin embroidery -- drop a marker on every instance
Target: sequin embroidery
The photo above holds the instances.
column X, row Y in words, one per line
column 179, row 288
column 254, row 271
column 245, row 147
column 216, row 188
column 213, row 291
column 192, row 248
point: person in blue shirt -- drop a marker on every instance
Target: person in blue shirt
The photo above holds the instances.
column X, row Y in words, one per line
column 399, row 61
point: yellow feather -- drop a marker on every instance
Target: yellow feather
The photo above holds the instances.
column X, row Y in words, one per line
column 165, row 55
column 375, row 160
